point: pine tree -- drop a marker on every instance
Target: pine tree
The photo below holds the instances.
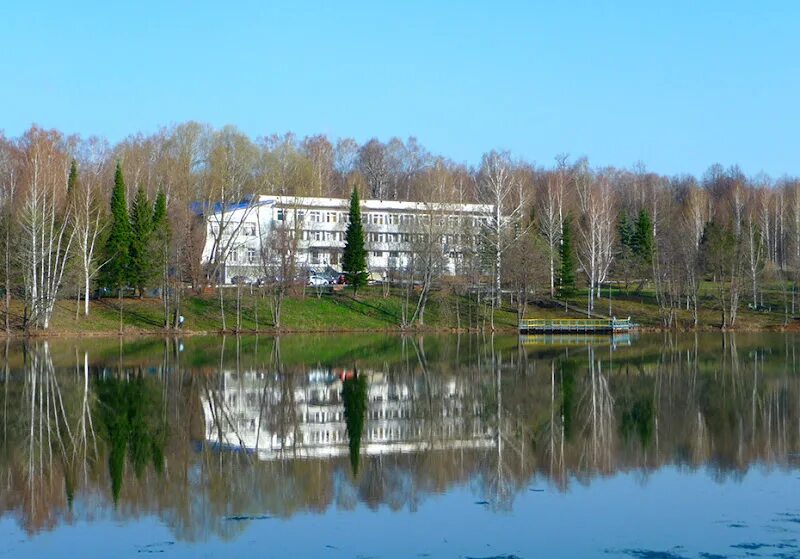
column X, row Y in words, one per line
column 354, row 258
column 141, row 255
column 115, row 272
column 161, row 231
column 566, row 275
column 643, row 238
column 627, row 232
column 72, row 180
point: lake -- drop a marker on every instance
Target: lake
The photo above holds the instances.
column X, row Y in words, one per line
column 657, row 446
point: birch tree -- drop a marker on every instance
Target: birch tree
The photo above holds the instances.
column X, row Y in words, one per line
column 596, row 231
column 88, row 210
column 503, row 197
column 46, row 221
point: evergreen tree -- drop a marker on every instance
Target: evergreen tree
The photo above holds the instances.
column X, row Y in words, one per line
column 161, row 234
column 643, row 238
column 354, row 258
column 627, row 232
column 72, row 180
column 566, row 274
column 115, row 271
column 141, row 254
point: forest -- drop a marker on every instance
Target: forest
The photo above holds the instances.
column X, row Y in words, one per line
column 82, row 217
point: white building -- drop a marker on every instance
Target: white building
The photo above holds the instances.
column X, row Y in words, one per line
column 250, row 412
column 240, row 237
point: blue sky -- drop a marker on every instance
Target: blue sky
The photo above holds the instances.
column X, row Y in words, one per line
column 677, row 85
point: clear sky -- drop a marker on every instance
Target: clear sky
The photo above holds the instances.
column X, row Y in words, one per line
column 677, row 85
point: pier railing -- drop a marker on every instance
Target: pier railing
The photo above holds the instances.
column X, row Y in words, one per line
column 578, row 325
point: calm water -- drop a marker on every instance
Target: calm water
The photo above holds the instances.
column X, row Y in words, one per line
column 379, row 446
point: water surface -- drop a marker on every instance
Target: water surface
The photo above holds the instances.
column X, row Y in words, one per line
column 656, row 446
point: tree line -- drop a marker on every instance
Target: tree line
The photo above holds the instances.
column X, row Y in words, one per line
column 555, row 229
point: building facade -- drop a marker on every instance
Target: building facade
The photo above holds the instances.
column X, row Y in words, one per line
column 244, row 240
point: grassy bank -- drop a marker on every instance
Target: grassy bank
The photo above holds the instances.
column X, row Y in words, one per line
column 372, row 311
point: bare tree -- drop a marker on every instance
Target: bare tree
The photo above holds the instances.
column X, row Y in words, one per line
column 595, row 254
column 375, row 164
column 46, row 221
column 88, row 210
column 279, row 257
column 504, row 199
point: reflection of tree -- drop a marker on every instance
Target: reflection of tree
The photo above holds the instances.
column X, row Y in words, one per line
column 675, row 402
column 354, row 397
column 130, row 412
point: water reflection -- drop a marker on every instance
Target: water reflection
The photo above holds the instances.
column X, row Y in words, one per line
column 230, row 430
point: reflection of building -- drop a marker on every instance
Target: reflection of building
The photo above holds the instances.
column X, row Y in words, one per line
column 393, row 231
column 303, row 416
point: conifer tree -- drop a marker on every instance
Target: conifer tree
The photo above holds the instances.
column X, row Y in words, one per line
column 141, row 255
column 566, row 275
column 627, row 232
column 72, row 179
column 115, row 272
column 643, row 238
column 354, row 258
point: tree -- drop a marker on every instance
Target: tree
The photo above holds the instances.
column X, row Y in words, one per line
column 354, row 258
column 566, row 274
column 141, row 253
column 116, row 272
column 159, row 247
column 88, row 209
column 72, row 179
column 596, row 227
column 501, row 193
column 643, row 238
column 46, row 221
column 626, row 232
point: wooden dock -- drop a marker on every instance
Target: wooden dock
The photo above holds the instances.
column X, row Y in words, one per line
column 575, row 325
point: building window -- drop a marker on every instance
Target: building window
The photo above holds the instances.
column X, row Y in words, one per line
column 394, row 219
column 251, row 255
column 249, row 230
column 330, row 217
column 281, row 215
column 233, row 256
column 314, row 216
column 377, row 254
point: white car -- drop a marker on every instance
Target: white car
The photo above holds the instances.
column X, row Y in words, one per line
column 317, row 281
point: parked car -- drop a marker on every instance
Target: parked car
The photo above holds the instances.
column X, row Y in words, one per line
column 317, row 281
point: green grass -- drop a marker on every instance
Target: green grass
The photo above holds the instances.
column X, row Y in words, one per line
column 371, row 311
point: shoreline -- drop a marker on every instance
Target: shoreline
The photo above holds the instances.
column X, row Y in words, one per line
column 141, row 333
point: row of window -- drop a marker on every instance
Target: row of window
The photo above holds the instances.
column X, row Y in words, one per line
column 250, row 256
column 313, row 216
column 373, row 218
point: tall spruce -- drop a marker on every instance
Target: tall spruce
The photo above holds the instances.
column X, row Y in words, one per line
column 115, row 272
column 141, row 254
column 354, row 258
column 643, row 238
column 72, row 179
column 566, row 273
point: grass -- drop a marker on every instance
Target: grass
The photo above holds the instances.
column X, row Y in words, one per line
column 371, row 311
